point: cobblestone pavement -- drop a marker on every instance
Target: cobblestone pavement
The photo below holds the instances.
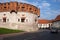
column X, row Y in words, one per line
column 40, row 35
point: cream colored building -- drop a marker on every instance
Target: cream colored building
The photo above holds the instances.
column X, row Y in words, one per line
column 43, row 23
column 56, row 22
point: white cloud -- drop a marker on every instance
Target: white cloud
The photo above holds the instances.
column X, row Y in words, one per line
column 45, row 4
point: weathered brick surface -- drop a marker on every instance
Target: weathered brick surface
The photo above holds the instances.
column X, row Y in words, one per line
column 9, row 6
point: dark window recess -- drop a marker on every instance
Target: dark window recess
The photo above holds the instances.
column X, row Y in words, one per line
column 23, row 19
column 4, row 14
column 23, row 7
column 13, row 11
column 18, row 20
column 35, row 20
column 4, row 7
column 4, row 19
column 35, row 10
column 30, row 8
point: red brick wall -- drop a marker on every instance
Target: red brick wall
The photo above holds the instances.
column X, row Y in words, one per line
column 19, row 7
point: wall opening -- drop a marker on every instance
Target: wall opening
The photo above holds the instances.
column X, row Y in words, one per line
column 36, row 20
column 4, row 19
column 13, row 11
column 22, row 19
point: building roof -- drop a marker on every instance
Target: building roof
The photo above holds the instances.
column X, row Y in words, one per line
column 44, row 21
column 57, row 18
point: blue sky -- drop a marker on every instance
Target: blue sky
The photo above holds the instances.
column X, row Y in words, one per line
column 49, row 9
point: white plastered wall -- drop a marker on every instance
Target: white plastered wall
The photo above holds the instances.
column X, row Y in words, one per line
column 13, row 23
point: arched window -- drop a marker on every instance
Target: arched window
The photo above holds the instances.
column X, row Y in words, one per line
column 13, row 11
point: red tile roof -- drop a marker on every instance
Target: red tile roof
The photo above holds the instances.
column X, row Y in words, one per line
column 57, row 18
column 43, row 21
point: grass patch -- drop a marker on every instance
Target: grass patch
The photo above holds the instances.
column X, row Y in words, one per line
column 8, row 31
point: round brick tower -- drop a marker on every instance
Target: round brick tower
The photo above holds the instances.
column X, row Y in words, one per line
column 21, row 16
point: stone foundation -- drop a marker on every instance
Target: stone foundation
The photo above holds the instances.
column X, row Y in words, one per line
column 24, row 27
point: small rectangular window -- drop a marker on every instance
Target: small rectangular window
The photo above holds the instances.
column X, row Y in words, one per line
column 22, row 19
column 4, row 19
column 35, row 10
column 23, row 7
column 35, row 20
column 4, row 7
column 30, row 8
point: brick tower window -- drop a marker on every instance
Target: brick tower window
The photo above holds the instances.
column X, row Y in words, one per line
column 30, row 8
column 4, row 19
column 22, row 19
column 23, row 7
column 13, row 11
column 4, row 7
